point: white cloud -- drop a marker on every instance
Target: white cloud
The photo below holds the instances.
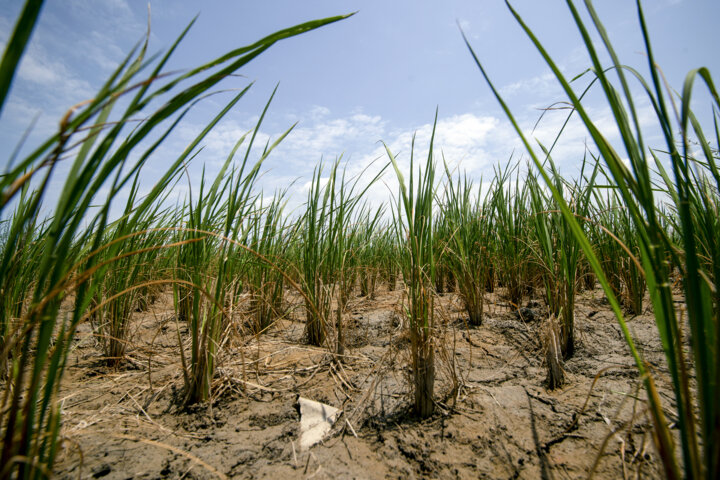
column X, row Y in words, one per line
column 39, row 69
column 469, row 142
column 538, row 86
column 317, row 112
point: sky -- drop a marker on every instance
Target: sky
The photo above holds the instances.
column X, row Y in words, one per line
column 377, row 76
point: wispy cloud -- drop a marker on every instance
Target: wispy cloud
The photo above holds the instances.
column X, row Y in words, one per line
column 41, row 70
column 538, row 86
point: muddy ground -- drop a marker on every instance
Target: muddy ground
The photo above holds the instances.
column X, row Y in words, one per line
column 495, row 417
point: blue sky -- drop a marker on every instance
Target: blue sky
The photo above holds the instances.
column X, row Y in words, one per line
column 378, row 75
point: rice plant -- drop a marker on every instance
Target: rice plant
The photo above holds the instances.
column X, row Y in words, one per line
column 20, row 251
column 368, row 256
column 557, row 250
column 441, row 236
column 615, row 239
column 469, row 246
column 321, row 227
column 511, row 227
column 413, row 217
column 267, row 234
column 386, row 244
column 326, row 250
column 132, row 243
column 211, row 262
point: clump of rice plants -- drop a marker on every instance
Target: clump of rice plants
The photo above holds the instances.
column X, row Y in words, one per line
column 358, row 254
column 20, row 251
column 123, row 282
column 212, row 261
column 441, row 236
column 322, row 224
column 268, row 230
column 616, row 241
column 413, row 217
column 557, row 250
column 386, row 244
column 468, row 252
column 329, row 257
column 368, row 253
column 511, row 231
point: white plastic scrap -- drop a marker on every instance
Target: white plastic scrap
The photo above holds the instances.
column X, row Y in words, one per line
column 316, row 419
